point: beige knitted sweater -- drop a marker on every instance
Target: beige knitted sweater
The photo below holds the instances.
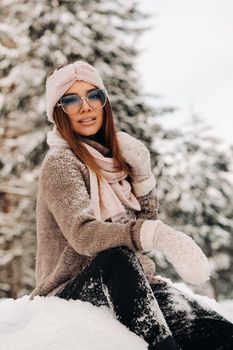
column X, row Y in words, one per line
column 68, row 235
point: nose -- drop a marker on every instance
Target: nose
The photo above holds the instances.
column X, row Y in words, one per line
column 84, row 106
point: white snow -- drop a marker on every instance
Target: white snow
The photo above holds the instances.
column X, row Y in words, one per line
column 56, row 324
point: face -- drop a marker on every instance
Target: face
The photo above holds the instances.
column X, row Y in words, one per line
column 80, row 121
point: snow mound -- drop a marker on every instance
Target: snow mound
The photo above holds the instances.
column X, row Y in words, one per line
column 56, row 324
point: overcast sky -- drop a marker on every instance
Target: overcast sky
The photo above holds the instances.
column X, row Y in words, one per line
column 188, row 59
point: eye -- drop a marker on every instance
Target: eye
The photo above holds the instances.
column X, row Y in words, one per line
column 68, row 100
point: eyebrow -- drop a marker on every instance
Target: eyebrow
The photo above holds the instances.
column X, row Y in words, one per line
column 73, row 93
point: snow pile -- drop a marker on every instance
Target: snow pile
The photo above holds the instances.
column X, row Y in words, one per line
column 56, row 324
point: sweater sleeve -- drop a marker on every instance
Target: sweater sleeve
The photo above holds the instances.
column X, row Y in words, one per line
column 68, row 200
column 149, row 206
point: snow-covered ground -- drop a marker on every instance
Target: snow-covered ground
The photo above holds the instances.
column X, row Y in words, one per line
column 56, row 324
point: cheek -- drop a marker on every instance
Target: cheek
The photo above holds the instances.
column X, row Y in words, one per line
column 101, row 115
column 70, row 117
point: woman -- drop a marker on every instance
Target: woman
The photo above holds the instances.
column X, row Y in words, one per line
column 97, row 217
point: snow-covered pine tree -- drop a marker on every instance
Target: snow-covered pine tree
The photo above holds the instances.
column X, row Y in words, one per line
column 195, row 184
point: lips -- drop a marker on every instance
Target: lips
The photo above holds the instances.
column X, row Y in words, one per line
column 87, row 120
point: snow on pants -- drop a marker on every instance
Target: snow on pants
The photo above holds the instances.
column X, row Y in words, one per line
column 161, row 314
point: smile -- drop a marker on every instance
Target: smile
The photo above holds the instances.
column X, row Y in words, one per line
column 87, row 121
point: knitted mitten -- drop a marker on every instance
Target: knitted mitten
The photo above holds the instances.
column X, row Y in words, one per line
column 137, row 155
column 179, row 249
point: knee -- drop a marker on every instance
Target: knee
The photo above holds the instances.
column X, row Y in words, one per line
column 116, row 251
column 120, row 255
column 119, row 264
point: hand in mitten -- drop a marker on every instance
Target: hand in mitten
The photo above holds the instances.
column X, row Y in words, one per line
column 137, row 155
column 179, row 249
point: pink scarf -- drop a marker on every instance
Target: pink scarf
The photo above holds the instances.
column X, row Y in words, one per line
column 107, row 195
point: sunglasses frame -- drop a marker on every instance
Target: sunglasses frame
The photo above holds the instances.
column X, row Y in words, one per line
column 59, row 104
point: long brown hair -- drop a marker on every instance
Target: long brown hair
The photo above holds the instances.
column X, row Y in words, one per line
column 75, row 141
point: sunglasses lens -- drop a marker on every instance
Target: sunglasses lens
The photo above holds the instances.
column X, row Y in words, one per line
column 96, row 98
column 71, row 104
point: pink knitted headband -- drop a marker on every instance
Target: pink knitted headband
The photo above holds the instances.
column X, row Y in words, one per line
column 62, row 79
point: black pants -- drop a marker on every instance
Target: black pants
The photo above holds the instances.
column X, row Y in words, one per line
column 162, row 315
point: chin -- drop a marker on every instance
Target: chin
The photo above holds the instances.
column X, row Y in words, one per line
column 87, row 132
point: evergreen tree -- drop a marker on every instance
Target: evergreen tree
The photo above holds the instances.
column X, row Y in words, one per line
column 195, row 187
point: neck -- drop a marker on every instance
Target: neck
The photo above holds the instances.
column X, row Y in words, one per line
column 98, row 137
